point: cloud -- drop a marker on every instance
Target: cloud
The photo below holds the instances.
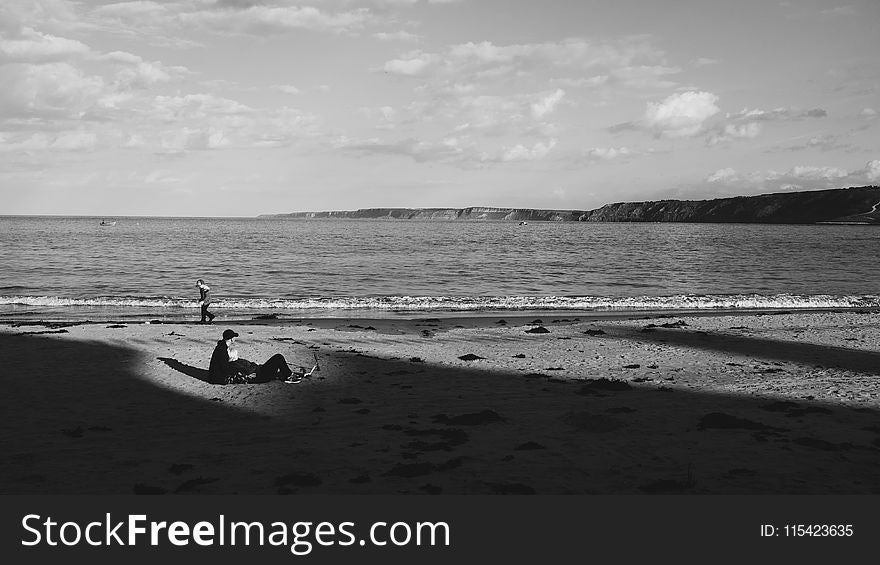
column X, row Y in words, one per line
column 74, row 140
column 868, row 114
column 415, row 64
column 34, row 46
column 799, row 177
column 728, row 132
column 547, row 104
column 50, row 90
column 608, row 153
column 277, row 18
column 681, row 115
column 704, row 62
column 633, row 59
column 776, row 114
column 520, row 152
column 396, row 36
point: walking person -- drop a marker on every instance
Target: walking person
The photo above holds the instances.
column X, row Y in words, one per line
column 205, row 300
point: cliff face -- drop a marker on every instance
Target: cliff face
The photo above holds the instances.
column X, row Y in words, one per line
column 851, row 205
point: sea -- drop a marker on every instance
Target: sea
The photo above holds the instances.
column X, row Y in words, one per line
column 142, row 268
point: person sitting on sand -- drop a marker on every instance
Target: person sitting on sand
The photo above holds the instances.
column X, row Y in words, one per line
column 228, row 368
column 204, row 300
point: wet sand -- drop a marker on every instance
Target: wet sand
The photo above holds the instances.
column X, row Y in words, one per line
column 708, row 404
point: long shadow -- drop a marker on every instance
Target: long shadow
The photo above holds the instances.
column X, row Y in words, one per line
column 83, row 417
column 856, row 360
column 188, row 370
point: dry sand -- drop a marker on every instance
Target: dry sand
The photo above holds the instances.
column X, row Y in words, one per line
column 722, row 404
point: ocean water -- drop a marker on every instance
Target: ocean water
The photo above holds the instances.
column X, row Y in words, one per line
column 145, row 268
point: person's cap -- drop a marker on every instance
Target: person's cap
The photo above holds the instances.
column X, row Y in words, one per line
column 229, row 334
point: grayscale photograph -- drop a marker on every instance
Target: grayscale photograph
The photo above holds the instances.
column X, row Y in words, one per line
column 439, row 247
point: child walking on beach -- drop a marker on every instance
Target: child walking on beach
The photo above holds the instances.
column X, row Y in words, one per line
column 204, row 300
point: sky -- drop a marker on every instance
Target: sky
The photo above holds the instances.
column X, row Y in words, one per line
column 247, row 107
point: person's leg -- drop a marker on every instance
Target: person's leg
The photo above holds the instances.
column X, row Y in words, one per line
column 276, row 367
column 204, row 311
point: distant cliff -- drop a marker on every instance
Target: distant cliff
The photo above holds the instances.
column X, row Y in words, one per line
column 857, row 205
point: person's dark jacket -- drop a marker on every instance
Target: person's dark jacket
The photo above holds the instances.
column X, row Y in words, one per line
column 205, row 295
column 220, row 369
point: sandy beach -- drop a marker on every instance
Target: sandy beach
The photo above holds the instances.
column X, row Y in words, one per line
column 709, row 404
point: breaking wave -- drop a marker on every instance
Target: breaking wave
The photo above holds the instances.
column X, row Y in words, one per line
column 464, row 303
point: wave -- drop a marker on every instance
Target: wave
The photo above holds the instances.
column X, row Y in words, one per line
column 466, row 303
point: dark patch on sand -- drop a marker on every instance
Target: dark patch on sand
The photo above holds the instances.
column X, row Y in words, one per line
column 470, row 357
column 529, row 446
column 594, row 332
column 538, row 330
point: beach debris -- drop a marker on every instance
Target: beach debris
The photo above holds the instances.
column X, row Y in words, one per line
column 122, row 326
column 416, row 360
column 667, row 325
column 519, row 356
column 529, row 446
column 594, row 332
column 511, row 488
column 44, row 332
column 470, row 357
column 472, row 419
column 593, row 385
column 538, row 330
column 427, row 333
column 632, row 366
column 719, row 420
column 596, row 423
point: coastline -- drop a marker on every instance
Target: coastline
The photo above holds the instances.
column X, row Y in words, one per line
column 703, row 402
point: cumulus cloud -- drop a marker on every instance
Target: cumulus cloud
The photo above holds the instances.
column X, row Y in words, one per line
column 57, row 90
column 34, row 46
column 682, row 114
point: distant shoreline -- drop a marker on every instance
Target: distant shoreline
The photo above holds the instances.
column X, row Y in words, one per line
column 854, row 205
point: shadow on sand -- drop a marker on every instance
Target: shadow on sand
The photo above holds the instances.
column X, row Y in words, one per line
column 82, row 417
column 856, row 360
column 188, row 370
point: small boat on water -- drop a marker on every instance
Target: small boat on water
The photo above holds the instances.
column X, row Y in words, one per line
column 523, row 223
column 105, row 223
